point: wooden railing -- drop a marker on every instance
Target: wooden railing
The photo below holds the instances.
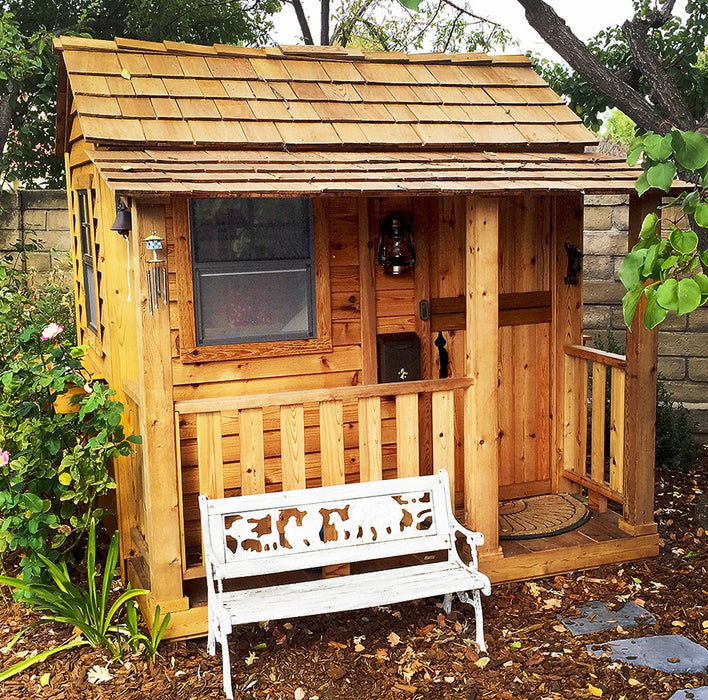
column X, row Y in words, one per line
column 289, row 440
column 599, row 465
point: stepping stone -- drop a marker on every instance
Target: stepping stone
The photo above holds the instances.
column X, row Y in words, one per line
column 670, row 653
column 597, row 617
column 691, row 694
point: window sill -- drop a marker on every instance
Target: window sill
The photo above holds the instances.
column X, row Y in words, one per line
column 283, row 348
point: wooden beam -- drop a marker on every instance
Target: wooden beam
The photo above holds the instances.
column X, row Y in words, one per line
column 481, row 457
column 640, row 400
column 161, row 488
column 367, row 286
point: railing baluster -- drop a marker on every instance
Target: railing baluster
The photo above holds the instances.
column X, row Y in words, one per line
column 370, row 439
column 332, row 443
column 444, row 436
column 252, row 460
column 597, row 449
column 211, row 465
column 617, row 430
column 292, row 446
column 407, row 443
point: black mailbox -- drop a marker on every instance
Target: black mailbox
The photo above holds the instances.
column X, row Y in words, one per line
column 399, row 357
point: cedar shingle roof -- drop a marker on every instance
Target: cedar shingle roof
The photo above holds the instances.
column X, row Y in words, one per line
column 142, row 94
column 169, row 118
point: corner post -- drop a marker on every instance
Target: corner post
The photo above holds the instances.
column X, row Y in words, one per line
column 640, row 400
column 481, row 414
column 161, row 480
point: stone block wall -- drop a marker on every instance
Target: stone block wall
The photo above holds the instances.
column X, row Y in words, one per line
column 37, row 214
column 683, row 342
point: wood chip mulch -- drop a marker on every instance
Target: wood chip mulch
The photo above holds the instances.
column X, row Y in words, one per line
column 413, row 650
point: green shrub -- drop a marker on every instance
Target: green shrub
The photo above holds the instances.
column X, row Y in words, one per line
column 675, row 447
column 53, row 467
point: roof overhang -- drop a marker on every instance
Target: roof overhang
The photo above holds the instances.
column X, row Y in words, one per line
column 224, row 173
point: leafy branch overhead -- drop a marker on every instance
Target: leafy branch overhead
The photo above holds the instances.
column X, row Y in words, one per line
column 669, row 272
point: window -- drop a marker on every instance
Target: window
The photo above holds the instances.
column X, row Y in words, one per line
column 88, row 263
column 253, row 270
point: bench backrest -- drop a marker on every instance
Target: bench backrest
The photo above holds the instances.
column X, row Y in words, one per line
column 292, row 530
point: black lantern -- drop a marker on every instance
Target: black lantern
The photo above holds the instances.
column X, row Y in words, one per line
column 122, row 224
column 396, row 247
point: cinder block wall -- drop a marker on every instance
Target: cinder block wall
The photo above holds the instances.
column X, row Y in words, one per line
column 683, row 342
column 38, row 214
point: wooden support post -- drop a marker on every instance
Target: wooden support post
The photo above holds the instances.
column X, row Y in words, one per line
column 640, row 401
column 367, row 285
column 161, row 478
column 481, row 460
column 597, row 461
column 567, row 329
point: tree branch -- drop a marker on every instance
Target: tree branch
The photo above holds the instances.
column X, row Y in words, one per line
column 324, row 25
column 477, row 18
column 663, row 88
column 302, row 21
column 557, row 35
column 6, row 115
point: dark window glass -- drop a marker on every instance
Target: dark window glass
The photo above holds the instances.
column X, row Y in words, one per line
column 87, row 259
column 253, row 270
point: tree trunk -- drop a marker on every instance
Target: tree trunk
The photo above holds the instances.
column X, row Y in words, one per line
column 5, row 117
column 557, row 35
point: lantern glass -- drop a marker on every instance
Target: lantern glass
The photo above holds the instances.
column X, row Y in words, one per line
column 396, row 246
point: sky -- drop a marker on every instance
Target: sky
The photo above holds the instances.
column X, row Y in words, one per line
column 585, row 19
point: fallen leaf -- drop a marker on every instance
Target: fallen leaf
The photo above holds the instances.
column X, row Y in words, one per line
column 559, row 628
column 634, row 681
column 382, row 655
column 393, row 639
column 338, row 645
column 299, row 694
column 678, row 623
column 482, row 663
column 250, row 658
column 594, row 691
column 359, row 647
column 449, row 679
column 551, row 603
column 44, row 679
column 515, row 645
column 125, row 73
column 98, row 674
column 673, row 659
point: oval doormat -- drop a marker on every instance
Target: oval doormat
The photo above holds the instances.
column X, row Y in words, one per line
column 540, row 516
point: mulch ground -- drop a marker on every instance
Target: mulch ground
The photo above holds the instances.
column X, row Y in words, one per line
column 413, row 650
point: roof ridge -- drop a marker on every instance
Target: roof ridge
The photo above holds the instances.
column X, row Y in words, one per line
column 289, row 51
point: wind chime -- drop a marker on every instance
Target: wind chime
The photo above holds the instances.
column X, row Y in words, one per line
column 156, row 274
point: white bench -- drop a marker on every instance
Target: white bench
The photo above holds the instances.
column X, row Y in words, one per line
column 309, row 529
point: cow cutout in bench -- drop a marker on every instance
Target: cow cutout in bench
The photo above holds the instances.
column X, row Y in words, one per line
column 260, row 535
column 311, row 527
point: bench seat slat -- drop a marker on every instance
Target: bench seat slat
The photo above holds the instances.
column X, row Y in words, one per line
column 350, row 592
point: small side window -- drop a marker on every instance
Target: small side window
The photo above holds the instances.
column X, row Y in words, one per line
column 88, row 260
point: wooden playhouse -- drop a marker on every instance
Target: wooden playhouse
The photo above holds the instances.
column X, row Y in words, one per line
column 261, row 347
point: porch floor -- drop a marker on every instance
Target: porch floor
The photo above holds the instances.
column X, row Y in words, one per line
column 599, row 541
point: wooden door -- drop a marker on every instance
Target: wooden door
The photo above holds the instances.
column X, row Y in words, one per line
column 524, row 346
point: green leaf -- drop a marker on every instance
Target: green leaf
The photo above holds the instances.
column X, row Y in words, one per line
column 630, row 268
column 661, row 175
column 411, row 4
column 649, row 226
column 691, row 150
column 702, row 282
column 642, row 185
column 658, row 147
column 684, row 242
column 654, row 314
column 691, row 201
column 125, row 73
column 648, row 267
column 689, row 296
column 701, row 214
column 667, row 295
column 65, row 478
column 629, row 303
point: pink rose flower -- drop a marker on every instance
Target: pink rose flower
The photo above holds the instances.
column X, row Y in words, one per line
column 4, row 457
column 52, row 331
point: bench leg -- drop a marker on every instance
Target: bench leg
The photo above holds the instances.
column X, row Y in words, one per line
column 226, row 665
column 447, row 603
column 475, row 600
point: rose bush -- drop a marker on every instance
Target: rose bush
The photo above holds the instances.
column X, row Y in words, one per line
column 53, row 466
